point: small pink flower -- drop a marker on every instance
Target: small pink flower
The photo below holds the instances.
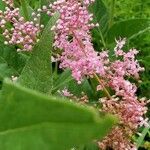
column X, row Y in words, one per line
column 66, row 93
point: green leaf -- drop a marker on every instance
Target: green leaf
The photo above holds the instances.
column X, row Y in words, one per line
column 127, row 28
column 37, row 73
column 5, row 70
column 78, row 89
column 25, row 10
column 62, row 80
column 2, row 5
column 30, row 120
column 29, row 10
column 11, row 57
column 143, row 134
column 46, row 2
column 44, row 17
column 91, row 146
column 65, row 80
column 101, row 14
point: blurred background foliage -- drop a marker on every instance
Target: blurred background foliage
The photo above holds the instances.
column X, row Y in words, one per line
column 129, row 9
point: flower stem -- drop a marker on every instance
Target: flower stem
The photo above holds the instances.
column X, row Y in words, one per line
column 101, row 83
column 102, row 38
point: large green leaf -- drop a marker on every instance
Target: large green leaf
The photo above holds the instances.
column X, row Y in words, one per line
column 37, row 73
column 32, row 121
column 127, row 28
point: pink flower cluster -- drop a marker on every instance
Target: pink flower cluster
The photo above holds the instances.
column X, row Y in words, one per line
column 130, row 112
column 72, row 36
column 126, row 66
column 16, row 30
column 125, row 104
column 118, row 139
